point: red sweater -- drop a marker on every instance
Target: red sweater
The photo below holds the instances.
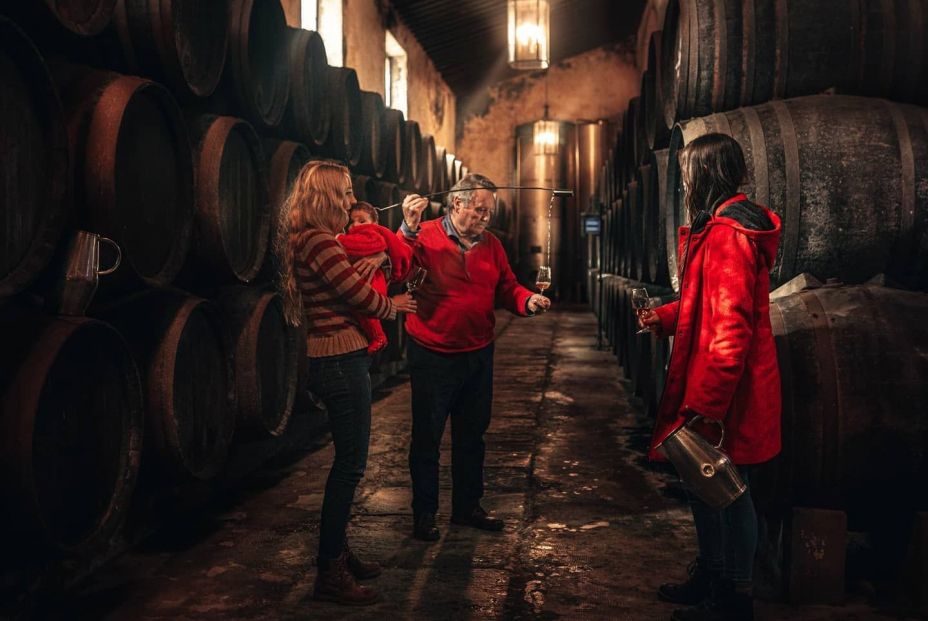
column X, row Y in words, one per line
column 457, row 302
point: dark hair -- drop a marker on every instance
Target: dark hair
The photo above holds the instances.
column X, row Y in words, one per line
column 712, row 168
column 366, row 208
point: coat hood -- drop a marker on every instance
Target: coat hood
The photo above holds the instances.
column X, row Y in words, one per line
column 766, row 240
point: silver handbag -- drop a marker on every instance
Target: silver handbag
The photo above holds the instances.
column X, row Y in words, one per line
column 705, row 468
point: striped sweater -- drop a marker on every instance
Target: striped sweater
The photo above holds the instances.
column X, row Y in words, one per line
column 331, row 291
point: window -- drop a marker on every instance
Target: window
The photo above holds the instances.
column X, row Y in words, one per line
column 395, row 75
column 325, row 17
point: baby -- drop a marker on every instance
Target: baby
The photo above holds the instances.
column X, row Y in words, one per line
column 365, row 238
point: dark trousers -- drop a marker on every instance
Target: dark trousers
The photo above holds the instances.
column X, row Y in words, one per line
column 343, row 383
column 728, row 538
column 459, row 384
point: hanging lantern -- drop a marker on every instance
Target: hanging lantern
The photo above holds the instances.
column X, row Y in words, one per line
column 546, row 137
column 529, row 34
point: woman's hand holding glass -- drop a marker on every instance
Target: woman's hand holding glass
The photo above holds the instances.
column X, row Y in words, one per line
column 644, row 305
column 404, row 303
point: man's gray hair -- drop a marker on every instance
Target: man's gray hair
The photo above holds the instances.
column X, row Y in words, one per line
column 466, row 187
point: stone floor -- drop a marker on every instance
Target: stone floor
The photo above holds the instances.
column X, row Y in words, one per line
column 589, row 535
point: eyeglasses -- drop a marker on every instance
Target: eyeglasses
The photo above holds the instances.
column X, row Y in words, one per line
column 481, row 210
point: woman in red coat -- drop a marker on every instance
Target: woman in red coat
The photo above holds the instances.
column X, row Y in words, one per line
column 723, row 365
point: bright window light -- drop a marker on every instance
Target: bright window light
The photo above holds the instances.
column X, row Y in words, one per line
column 325, row 17
column 395, row 75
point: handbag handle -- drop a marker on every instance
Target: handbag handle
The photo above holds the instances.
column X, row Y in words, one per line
column 711, row 420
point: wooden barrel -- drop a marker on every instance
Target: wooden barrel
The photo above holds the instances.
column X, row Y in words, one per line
column 382, row 195
column 722, row 54
column 35, row 182
column 846, row 175
column 70, row 432
column 363, row 187
column 645, row 225
column 449, row 170
column 233, row 213
column 84, row 17
column 458, row 170
column 345, row 132
column 133, row 169
column 373, row 158
column 655, row 238
column 427, row 157
column 413, row 156
column 264, row 358
column 440, row 180
column 630, row 142
column 642, row 150
column 179, row 42
column 394, row 146
column 179, row 345
column 257, row 70
column 285, row 160
column 632, row 241
column 308, row 113
column 853, row 374
column 655, row 124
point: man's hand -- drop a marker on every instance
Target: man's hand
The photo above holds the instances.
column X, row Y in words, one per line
column 538, row 303
column 413, row 206
column 404, row 303
column 366, row 266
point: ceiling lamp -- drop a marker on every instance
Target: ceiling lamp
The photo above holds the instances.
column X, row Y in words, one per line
column 546, row 136
column 529, row 34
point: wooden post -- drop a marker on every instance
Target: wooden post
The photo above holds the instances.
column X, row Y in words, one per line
column 916, row 571
column 816, row 549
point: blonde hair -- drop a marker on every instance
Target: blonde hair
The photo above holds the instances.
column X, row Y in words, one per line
column 315, row 202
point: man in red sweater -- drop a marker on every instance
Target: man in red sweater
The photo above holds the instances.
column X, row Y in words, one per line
column 450, row 349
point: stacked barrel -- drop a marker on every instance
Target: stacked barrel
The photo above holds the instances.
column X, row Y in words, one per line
column 826, row 104
column 176, row 129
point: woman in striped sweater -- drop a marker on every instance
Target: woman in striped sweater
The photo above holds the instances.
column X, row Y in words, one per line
column 324, row 292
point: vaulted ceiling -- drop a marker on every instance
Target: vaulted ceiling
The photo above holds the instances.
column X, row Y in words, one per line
column 466, row 39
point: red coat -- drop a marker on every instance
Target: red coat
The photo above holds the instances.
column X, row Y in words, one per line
column 724, row 360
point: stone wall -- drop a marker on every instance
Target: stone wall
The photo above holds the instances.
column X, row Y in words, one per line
column 594, row 85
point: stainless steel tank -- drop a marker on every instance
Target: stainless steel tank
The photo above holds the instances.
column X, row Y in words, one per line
column 593, row 138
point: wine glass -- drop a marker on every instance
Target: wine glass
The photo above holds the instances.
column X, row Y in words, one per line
column 417, row 279
column 543, row 278
column 641, row 302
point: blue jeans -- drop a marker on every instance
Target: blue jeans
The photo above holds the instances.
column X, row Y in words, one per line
column 459, row 385
column 728, row 538
column 343, row 383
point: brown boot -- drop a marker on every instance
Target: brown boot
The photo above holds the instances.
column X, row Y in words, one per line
column 361, row 570
column 334, row 583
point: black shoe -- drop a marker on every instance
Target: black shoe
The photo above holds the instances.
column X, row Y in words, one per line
column 724, row 604
column 424, row 527
column 696, row 588
column 477, row 518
